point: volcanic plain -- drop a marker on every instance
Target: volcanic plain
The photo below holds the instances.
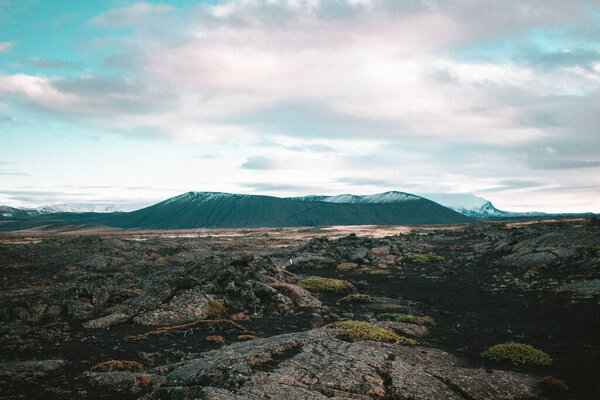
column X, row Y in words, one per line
column 363, row 312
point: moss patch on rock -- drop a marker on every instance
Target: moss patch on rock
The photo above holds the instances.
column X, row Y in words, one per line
column 317, row 284
column 409, row 318
column 360, row 330
column 347, row 266
column 117, row 365
column 425, row 258
column 215, row 309
column 357, row 298
column 517, row 353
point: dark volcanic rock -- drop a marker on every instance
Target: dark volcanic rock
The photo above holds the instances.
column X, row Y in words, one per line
column 222, row 316
column 318, row 365
column 23, row 370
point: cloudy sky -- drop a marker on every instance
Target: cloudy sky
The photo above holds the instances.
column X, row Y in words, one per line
column 110, row 100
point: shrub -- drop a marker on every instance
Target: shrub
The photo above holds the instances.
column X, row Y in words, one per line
column 215, row 309
column 346, row 266
column 215, row 339
column 535, row 271
column 12, row 266
column 286, row 289
column 575, row 277
column 553, row 384
column 517, row 353
column 317, row 284
column 380, row 272
column 358, row 298
column 247, row 337
column 408, row 318
column 359, row 330
column 425, row 258
column 117, row 365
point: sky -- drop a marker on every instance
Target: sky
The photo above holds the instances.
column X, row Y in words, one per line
column 113, row 100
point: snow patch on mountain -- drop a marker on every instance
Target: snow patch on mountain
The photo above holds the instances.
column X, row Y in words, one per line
column 380, row 198
column 201, row 197
column 474, row 206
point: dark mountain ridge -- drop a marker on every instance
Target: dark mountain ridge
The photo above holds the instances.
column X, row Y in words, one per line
column 224, row 210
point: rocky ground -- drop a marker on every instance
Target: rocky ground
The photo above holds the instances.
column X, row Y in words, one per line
column 229, row 316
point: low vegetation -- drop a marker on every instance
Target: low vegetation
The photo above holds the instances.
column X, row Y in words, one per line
column 286, row 289
column 117, row 365
column 12, row 266
column 358, row 298
column 425, row 258
column 553, row 384
column 215, row 309
column 347, row 266
column 408, row 318
column 360, row 330
column 535, row 271
column 317, row 284
column 215, row 339
column 247, row 337
column 517, row 353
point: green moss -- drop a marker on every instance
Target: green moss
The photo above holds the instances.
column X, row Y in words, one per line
column 346, row 266
column 358, row 298
column 117, row 365
column 380, row 271
column 408, row 318
column 426, row 258
column 317, row 284
column 360, row 330
column 517, row 353
column 215, row 309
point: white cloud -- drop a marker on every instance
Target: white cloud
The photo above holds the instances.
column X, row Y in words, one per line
column 4, row 46
column 369, row 60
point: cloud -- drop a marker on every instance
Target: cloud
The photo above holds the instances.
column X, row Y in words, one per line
column 313, row 148
column 279, row 187
column 251, row 68
column 357, row 181
column 512, row 184
column 564, row 164
column 258, row 162
column 5, row 46
column 39, row 196
column 13, row 173
column 49, row 64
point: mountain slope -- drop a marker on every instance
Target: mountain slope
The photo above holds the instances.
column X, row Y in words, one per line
column 224, row 210
column 474, row 206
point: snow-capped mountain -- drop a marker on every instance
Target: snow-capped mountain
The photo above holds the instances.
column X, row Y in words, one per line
column 121, row 206
column 7, row 211
column 474, row 206
column 380, row 198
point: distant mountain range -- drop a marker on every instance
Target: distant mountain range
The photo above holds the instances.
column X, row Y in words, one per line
column 474, row 206
column 225, row 210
